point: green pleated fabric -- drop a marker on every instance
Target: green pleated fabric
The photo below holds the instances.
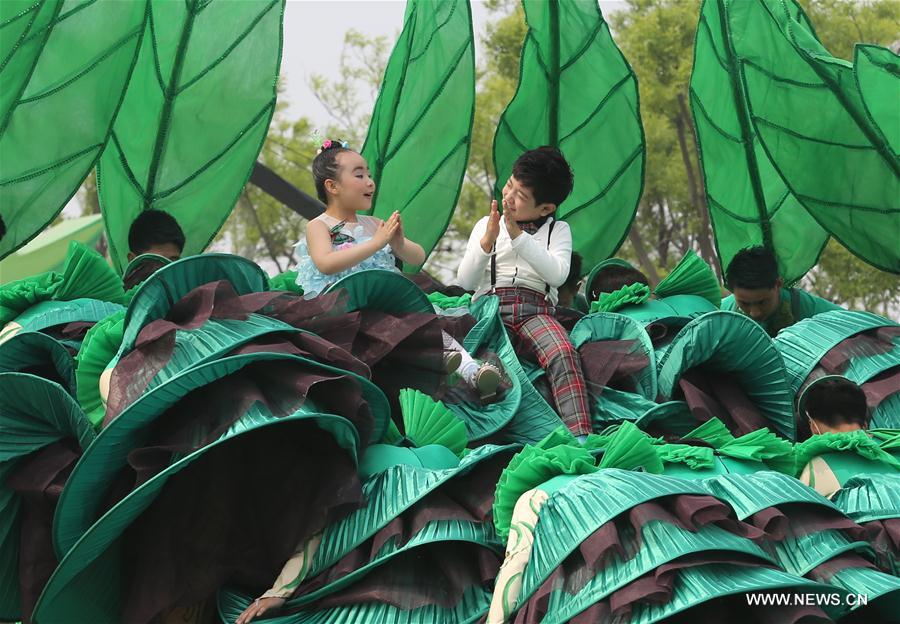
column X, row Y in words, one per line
column 480, row 533
column 730, row 342
column 286, row 281
column 673, row 416
column 155, row 296
column 80, row 503
column 697, row 585
column 386, row 291
column 803, row 344
column 749, row 201
column 757, row 446
column 750, row 493
column 608, row 326
column 887, row 414
column 34, row 413
column 49, row 314
column 99, row 347
column 576, row 91
column 856, row 452
column 615, row 406
column 691, row 276
column 870, row 497
column 389, row 494
column 418, row 142
column 573, row 513
column 96, row 556
column 57, row 57
column 473, row 605
column 882, row 592
column 169, row 149
column 145, row 263
column 799, row 555
column 532, row 467
column 522, row 415
column 30, row 349
column 85, row 275
column 427, row 421
column 675, row 311
column 660, row 543
column 858, row 206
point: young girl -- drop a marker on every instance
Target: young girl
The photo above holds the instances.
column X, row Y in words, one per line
column 341, row 241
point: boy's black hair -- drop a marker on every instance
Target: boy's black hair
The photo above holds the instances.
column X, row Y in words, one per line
column 325, row 167
column 154, row 227
column 546, row 173
column 836, row 402
column 753, row 268
column 612, row 278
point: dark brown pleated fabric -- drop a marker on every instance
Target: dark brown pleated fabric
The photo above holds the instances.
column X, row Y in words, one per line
column 710, row 394
column 39, row 479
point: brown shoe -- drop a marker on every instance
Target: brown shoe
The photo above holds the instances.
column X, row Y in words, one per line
column 486, row 381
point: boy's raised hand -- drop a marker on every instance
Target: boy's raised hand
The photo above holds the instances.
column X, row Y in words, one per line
column 387, row 230
column 493, row 229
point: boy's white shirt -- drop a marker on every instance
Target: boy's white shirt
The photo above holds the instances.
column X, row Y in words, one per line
column 526, row 261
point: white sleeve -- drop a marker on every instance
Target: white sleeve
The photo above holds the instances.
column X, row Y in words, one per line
column 475, row 261
column 552, row 263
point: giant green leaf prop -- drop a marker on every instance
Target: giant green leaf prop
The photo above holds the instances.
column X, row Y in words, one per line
column 824, row 123
column 194, row 117
column 749, row 203
column 64, row 65
column 418, row 142
column 577, row 92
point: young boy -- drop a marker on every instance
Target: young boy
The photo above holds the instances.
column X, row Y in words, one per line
column 156, row 232
column 523, row 258
column 758, row 292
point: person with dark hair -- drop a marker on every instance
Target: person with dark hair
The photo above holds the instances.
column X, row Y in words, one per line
column 834, row 405
column 833, row 444
column 758, row 292
column 612, row 276
column 155, row 232
column 342, row 241
column 524, row 258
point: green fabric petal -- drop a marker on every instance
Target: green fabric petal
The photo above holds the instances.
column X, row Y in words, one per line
column 691, row 276
column 712, row 431
column 446, row 302
column 858, row 442
column 764, row 446
column 86, row 275
column 100, row 345
column 627, row 295
column 695, row 457
column 34, row 413
column 887, row 438
column 286, row 281
column 870, row 497
column 531, row 467
column 28, row 351
column 629, row 448
column 18, row 296
column 427, row 421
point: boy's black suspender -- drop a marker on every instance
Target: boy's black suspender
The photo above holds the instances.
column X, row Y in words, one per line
column 494, row 260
